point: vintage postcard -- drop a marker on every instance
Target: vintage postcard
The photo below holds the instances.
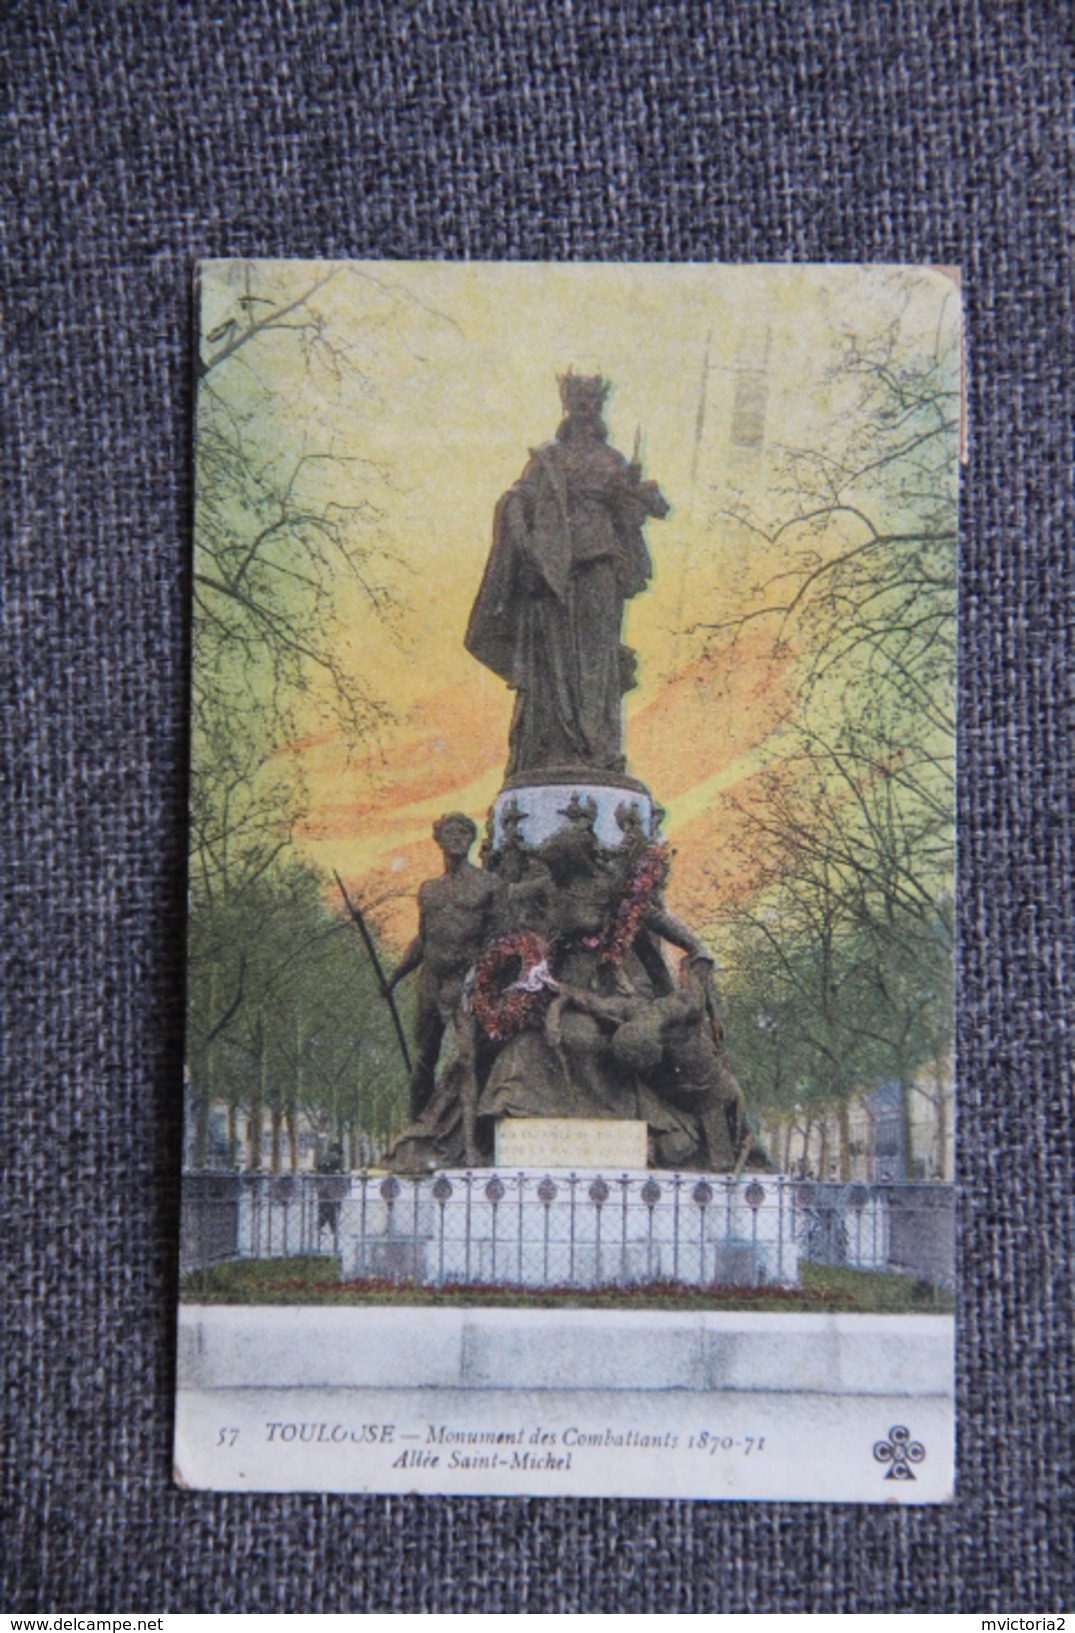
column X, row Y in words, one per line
column 569, row 1084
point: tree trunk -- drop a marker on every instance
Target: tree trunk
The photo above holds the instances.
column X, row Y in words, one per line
column 805, row 1159
column 233, row 1134
column 843, row 1118
column 205, row 1094
column 294, row 1099
column 201, row 1138
column 941, row 1124
column 823, row 1158
column 257, row 1105
column 276, row 1125
column 787, row 1147
column 908, row 1130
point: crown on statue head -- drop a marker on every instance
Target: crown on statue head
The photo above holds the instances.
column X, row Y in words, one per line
column 580, row 393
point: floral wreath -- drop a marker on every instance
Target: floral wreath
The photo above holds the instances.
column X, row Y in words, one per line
column 645, row 881
column 502, row 1006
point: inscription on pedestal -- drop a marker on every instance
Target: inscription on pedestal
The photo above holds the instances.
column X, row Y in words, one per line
column 570, row 1142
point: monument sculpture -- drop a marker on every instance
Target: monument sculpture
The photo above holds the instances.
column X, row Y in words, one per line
column 568, row 551
column 544, row 966
column 458, row 914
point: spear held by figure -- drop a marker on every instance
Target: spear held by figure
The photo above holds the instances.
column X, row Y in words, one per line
column 385, row 989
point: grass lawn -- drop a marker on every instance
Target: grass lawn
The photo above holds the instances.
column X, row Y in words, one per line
column 317, row 1281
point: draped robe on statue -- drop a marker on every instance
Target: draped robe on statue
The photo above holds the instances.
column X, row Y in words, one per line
column 567, row 553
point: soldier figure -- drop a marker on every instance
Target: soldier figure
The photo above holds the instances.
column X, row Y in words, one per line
column 458, row 914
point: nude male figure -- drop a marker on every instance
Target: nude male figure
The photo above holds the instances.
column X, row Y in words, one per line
column 459, row 913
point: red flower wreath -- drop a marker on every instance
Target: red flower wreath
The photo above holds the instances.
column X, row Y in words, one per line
column 511, row 985
column 647, row 879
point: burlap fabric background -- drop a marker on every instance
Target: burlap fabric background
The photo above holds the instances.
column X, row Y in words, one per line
column 141, row 136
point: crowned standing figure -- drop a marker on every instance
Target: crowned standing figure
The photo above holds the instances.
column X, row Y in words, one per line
column 568, row 551
column 547, row 962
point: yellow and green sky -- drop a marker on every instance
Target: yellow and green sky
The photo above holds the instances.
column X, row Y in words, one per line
column 429, row 386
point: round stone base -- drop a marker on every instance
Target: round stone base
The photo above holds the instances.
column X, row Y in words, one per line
column 537, row 810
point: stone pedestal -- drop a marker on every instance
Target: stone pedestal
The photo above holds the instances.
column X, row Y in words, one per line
column 581, row 1229
column 536, row 809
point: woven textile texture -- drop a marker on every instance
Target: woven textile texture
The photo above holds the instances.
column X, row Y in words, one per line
column 142, row 136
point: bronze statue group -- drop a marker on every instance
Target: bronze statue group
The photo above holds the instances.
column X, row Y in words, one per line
column 543, row 989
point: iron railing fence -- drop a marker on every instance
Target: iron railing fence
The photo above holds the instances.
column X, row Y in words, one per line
column 209, row 1230
column 905, row 1227
column 574, row 1229
column 569, row 1229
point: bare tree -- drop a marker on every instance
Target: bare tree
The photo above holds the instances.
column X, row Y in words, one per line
column 855, row 835
column 290, row 529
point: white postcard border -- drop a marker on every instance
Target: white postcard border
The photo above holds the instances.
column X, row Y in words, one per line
column 566, row 1402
